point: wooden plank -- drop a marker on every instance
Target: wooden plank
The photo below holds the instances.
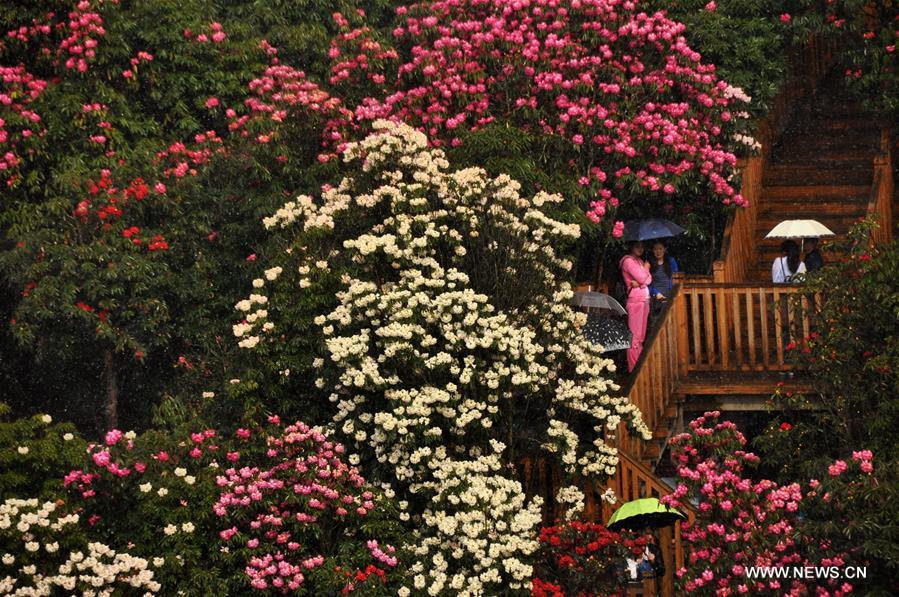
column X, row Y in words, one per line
column 792, row 323
column 763, row 325
column 779, row 305
column 678, row 546
column 697, row 338
column 738, row 329
column 629, row 485
column 759, row 384
column 805, row 320
column 709, row 328
column 750, row 329
column 681, row 328
column 723, row 330
column 661, row 370
column 672, row 359
column 668, row 548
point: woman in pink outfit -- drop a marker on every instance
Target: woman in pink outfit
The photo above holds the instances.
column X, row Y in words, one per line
column 637, row 279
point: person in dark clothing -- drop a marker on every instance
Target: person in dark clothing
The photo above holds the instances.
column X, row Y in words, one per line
column 662, row 267
column 813, row 259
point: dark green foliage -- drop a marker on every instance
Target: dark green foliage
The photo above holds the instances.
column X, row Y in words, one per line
column 159, row 306
column 744, row 39
column 852, row 358
column 47, row 456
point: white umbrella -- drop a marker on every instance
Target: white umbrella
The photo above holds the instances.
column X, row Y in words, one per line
column 800, row 229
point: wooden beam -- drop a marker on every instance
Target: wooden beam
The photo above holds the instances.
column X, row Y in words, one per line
column 712, row 385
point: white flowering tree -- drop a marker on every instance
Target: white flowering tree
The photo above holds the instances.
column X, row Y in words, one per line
column 43, row 553
column 450, row 352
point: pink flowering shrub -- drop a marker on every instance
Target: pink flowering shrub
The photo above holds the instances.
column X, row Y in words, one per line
column 643, row 115
column 743, row 523
column 289, row 513
column 266, row 508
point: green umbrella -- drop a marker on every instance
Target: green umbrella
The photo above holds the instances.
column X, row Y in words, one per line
column 643, row 513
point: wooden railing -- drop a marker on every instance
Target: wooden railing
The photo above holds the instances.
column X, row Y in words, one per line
column 633, row 481
column 880, row 202
column 735, row 327
column 808, row 66
column 653, row 382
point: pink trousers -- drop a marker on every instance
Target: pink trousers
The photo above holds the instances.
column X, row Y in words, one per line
column 637, row 316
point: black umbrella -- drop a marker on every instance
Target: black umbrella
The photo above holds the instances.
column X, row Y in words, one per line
column 611, row 333
column 650, row 228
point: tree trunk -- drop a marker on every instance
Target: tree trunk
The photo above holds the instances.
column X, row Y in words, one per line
column 597, row 283
column 111, row 401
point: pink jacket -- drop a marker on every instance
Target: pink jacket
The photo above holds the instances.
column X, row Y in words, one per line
column 632, row 269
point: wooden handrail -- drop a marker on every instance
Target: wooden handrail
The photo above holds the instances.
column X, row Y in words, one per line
column 654, row 380
column 880, row 201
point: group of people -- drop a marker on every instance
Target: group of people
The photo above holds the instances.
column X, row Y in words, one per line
column 648, row 282
column 650, row 563
column 648, row 285
column 789, row 265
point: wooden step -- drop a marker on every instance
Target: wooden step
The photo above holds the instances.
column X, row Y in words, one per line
column 651, row 453
column 860, row 124
column 660, row 435
column 815, row 192
column 855, row 124
column 824, row 134
column 801, row 174
column 807, row 148
column 841, row 157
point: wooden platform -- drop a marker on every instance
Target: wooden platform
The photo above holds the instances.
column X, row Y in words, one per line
column 739, row 384
column 735, row 391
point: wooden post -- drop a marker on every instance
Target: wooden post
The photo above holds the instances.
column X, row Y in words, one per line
column 667, row 544
column 718, row 274
column 680, row 315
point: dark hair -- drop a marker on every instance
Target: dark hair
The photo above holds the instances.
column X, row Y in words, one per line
column 792, row 251
column 666, row 260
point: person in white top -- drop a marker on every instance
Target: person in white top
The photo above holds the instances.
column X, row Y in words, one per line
column 785, row 268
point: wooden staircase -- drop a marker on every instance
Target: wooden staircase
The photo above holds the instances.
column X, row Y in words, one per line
column 821, row 168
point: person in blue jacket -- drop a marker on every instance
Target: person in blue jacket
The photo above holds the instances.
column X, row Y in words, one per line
column 662, row 267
